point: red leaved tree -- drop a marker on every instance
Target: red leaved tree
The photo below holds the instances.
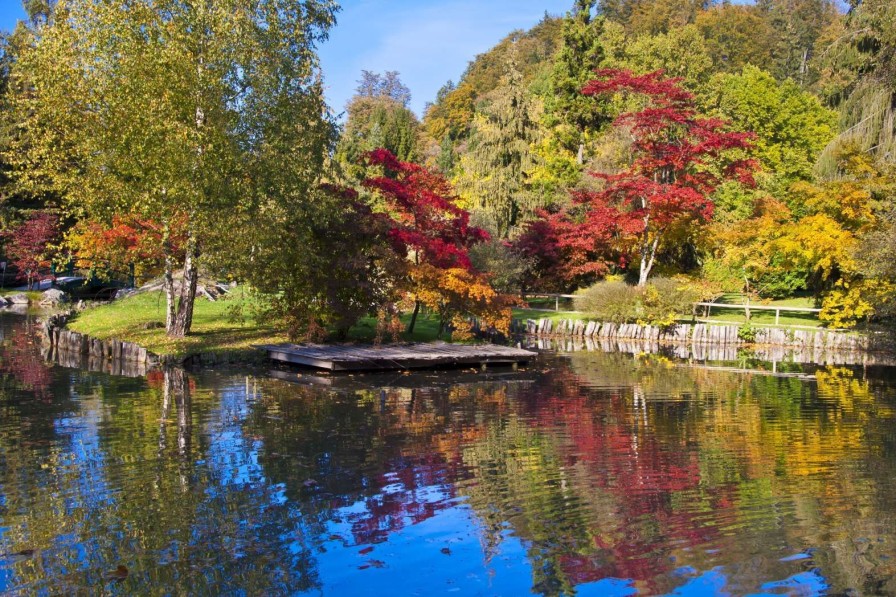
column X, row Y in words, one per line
column 678, row 160
column 127, row 242
column 429, row 228
column 29, row 244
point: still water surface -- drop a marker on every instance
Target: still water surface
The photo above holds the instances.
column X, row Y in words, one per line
column 587, row 474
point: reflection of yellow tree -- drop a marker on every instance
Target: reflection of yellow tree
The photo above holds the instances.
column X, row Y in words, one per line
column 770, row 449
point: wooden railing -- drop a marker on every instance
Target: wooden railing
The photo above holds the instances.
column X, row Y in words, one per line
column 747, row 308
column 556, row 297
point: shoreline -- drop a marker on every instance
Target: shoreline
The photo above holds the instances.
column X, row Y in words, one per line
column 688, row 341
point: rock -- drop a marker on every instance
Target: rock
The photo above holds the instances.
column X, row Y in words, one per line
column 3, row 301
column 124, row 292
column 53, row 297
column 18, row 299
column 152, row 325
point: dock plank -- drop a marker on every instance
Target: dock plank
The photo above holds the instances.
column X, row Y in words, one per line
column 394, row 357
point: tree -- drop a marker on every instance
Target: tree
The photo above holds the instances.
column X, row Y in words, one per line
column 681, row 53
column 171, row 110
column 574, row 66
column 796, row 25
column 428, row 228
column 791, row 125
column 378, row 117
column 860, row 69
column 736, row 36
column 652, row 17
column 678, row 159
column 126, row 244
column 495, row 168
column 336, row 267
column 29, row 245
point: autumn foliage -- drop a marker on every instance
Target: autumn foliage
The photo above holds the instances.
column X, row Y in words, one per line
column 434, row 234
column 127, row 241
column 677, row 160
column 29, row 245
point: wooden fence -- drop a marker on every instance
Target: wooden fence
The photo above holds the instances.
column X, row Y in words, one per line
column 707, row 308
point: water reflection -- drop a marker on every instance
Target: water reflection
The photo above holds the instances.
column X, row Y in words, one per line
column 590, row 473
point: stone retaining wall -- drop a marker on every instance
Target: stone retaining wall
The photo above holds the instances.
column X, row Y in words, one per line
column 685, row 333
column 69, row 346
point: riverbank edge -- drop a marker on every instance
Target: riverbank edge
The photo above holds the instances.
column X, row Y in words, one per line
column 61, row 339
column 710, row 334
column 58, row 337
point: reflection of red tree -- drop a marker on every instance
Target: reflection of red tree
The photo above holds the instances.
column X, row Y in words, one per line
column 407, row 498
column 21, row 359
column 624, row 458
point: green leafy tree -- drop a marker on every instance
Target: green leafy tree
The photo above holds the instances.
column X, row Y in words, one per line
column 682, row 52
column 378, row 116
column 496, row 166
column 166, row 109
column 571, row 113
column 797, row 25
column 791, row 125
column 860, row 78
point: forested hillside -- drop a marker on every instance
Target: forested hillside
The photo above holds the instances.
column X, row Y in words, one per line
column 629, row 149
column 810, row 82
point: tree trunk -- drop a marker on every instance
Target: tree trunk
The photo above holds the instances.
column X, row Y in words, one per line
column 580, row 156
column 183, row 319
column 414, row 317
column 170, row 298
column 648, row 253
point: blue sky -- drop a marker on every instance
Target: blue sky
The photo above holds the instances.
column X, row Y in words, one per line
column 427, row 41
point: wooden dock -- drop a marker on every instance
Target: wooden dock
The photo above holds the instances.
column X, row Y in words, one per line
column 395, row 356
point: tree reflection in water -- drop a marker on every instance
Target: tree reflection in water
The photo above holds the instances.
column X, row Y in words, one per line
column 593, row 472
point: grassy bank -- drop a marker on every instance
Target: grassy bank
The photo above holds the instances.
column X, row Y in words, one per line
column 213, row 331
column 719, row 314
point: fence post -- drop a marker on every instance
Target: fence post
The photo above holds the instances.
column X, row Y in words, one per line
column 557, row 303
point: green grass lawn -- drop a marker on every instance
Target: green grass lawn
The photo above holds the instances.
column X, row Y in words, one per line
column 552, row 315
column 213, row 331
column 718, row 314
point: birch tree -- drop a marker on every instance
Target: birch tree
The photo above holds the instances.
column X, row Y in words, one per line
column 165, row 109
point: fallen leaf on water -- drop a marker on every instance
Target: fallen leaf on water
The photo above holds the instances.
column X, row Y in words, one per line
column 309, row 483
column 364, row 567
column 446, row 551
column 118, row 575
column 377, row 563
column 365, row 551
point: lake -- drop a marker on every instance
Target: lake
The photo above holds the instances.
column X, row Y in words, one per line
column 587, row 473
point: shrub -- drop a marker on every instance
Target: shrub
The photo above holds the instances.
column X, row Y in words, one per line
column 850, row 302
column 505, row 268
column 612, row 302
column 657, row 303
column 747, row 333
